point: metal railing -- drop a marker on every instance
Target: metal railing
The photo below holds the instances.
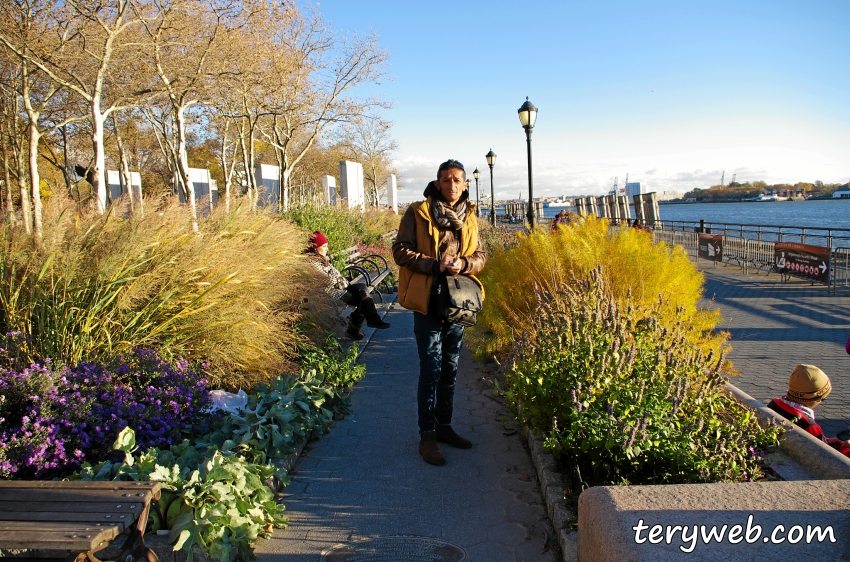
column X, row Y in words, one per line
column 755, row 254
column 818, row 236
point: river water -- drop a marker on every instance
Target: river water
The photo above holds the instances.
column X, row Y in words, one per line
column 822, row 213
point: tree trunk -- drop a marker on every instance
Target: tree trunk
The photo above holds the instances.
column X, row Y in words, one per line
column 10, row 205
column 66, row 172
column 26, row 209
column 183, row 167
column 34, row 139
column 252, row 177
column 99, row 165
column 286, row 176
column 35, row 179
column 124, row 168
column 226, row 169
column 246, row 164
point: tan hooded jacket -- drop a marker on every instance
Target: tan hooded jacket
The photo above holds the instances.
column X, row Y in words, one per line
column 415, row 251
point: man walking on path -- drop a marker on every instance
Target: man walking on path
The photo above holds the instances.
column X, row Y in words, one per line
column 437, row 237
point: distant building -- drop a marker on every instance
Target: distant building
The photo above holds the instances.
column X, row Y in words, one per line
column 842, row 192
column 205, row 188
column 636, row 188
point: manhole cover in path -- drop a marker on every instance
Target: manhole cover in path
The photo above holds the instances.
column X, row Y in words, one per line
column 396, row 549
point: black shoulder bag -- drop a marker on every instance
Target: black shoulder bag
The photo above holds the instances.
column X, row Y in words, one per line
column 458, row 299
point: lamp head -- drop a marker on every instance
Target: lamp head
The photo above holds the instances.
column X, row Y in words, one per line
column 476, row 174
column 527, row 114
column 491, row 158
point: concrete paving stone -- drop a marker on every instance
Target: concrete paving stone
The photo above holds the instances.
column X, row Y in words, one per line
column 510, row 534
column 499, row 498
column 514, row 483
column 491, row 552
column 532, row 550
column 514, row 456
column 524, row 513
column 776, row 325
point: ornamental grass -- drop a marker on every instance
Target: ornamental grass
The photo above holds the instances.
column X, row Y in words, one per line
column 630, row 264
column 229, row 295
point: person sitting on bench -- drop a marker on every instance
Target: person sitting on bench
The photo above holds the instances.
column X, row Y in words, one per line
column 355, row 294
column 808, row 386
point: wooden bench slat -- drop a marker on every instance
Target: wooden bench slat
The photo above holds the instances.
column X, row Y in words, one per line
column 67, row 526
column 8, row 510
column 104, row 517
column 59, row 495
column 51, row 540
column 79, row 484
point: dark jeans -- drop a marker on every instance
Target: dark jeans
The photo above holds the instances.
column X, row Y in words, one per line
column 354, row 294
column 438, row 343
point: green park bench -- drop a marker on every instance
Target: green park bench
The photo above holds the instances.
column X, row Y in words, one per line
column 72, row 521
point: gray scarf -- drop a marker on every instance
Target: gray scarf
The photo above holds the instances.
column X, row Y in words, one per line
column 447, row 216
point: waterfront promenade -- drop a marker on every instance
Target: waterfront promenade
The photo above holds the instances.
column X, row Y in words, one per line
column 776, row 325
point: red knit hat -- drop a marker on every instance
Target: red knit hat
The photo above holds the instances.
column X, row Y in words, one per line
column 317, row 239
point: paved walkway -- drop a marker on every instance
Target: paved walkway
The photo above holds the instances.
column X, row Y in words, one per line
column 365, row 479
column 776, row 325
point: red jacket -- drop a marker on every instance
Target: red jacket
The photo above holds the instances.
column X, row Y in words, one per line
column 799, row 417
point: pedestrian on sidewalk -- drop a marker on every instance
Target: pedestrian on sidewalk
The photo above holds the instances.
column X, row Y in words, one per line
column 443, row 225
column 808, row 386
column 355, row 294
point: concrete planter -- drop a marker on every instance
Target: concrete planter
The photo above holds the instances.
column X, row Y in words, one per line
column 606, row 512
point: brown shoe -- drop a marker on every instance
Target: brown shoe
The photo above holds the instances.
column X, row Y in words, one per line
column 445, row 434
column 429, row 450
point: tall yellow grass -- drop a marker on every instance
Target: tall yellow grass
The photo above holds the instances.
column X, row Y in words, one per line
column 230, row 295
column 630, row 265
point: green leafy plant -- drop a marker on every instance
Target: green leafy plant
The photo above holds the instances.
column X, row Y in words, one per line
column 282, row 414
column 626, row 398
column 213, row 498
column 337, row 367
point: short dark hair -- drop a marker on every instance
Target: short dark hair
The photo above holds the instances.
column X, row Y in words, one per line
column 450, row 165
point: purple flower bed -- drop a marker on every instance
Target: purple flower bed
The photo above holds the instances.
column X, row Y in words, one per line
column 52, row 419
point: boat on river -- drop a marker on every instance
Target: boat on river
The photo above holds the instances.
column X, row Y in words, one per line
column 767, row 198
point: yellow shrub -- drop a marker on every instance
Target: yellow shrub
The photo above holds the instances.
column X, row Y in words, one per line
column 630, row 262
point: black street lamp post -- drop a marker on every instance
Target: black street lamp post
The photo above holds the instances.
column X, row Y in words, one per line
column 476, row 174
column 527, row 116
column 491, row 161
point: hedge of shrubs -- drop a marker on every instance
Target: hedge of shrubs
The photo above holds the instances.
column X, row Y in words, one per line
column 607, row 353
column 626, row 399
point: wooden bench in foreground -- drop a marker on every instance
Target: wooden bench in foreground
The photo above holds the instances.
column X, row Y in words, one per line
column 73, row 520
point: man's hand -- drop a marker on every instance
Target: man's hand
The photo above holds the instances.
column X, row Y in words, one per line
column 451, row 264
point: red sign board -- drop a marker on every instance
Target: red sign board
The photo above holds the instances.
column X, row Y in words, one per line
column 802, row 260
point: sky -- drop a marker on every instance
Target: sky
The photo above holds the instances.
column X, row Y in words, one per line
column 672, row 93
